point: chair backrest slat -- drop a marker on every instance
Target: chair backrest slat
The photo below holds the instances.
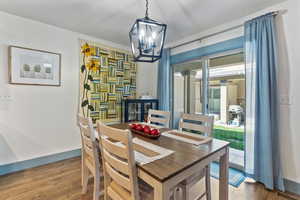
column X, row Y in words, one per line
column 195, row 127
column 89, row 151
column 198, row 117
column 197, row 122
column 114, row 134
column 117, row 177
column 87, row 141
column 118, row 161
column 89, row 145
column 157, row 120
column 116, row 149
column 159, row 117
column 118, row 164
column 113, row 194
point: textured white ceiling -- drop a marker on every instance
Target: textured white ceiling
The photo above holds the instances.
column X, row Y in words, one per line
column 112, row 19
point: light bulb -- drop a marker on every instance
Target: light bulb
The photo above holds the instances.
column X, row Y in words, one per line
column 141, row 36
column 150, row 41
column 153, row 35
column 142, row 33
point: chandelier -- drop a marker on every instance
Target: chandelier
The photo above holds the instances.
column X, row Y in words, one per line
column 147, row 38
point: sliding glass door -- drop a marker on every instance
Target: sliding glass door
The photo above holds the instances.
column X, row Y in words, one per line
column 214, row 86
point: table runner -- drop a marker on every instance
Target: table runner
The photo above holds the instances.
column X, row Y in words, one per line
column 198, row 138
column 142, row 158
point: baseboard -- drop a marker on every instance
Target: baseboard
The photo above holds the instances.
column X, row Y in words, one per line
column 292, row 186
column 22, row 165
column 288, row 195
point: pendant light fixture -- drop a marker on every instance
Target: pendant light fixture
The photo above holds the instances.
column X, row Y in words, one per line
column 147, row 38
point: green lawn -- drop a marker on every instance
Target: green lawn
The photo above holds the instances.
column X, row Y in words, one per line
column 233, row 135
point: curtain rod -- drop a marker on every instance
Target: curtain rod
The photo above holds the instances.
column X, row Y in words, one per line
column 274, row 13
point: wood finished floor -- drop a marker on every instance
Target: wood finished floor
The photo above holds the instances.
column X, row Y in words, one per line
column 62, row 181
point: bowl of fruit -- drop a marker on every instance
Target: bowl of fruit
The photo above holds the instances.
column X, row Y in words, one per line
column 145, row 130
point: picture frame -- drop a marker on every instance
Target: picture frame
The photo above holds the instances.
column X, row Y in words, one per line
column 34, row 67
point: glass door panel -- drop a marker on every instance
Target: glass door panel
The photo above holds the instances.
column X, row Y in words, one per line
column 187, row 85
column 226, row 101
column 134, row 112
column 179, row 97
column 214, row 100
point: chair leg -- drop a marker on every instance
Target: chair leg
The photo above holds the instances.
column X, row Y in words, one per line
column 207, row 183
column 97, row 191
column 85, row 179
column 185, row 192
column 82, row 169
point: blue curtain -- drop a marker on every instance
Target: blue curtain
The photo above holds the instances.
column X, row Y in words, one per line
column 164, row 89
column 262, row 136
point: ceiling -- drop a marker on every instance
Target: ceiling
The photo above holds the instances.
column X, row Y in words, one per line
column 112, row 19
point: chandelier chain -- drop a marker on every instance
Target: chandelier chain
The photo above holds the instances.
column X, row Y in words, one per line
column 147, row 8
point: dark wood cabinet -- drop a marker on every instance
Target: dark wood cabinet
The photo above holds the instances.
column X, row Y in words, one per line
column 137, row 109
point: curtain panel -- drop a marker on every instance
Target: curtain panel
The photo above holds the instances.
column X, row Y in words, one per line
column 262, row 137
column 164, row 81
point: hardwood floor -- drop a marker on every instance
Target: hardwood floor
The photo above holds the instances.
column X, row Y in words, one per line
column 62, row 181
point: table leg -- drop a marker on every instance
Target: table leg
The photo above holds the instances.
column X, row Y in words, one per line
column 161, row 192
column 223, row 183
column 161, row 189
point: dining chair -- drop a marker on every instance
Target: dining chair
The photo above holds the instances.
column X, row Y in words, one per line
column 198, row 124
column 119, row 167
column 159, row 117
column 90, row 157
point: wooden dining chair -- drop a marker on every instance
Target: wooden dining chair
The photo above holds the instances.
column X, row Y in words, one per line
column 91, row 165
column 159, row 117
column 119, row 167
column 198, row 124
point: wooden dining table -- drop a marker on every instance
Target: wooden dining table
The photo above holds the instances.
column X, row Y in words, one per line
column 166, row 173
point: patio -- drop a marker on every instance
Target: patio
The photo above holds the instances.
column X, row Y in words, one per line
column 234, row 135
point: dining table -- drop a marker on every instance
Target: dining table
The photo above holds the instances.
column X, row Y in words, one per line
column 164, row 174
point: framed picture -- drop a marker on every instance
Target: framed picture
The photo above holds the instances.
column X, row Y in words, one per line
column 34, row 67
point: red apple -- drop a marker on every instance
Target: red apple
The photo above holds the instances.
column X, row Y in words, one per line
column 139, row 127
column 154, row 132
column 147, row 129
column 133, row 126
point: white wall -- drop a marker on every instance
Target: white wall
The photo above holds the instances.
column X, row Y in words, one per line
column 289, row 73
column 41, row 120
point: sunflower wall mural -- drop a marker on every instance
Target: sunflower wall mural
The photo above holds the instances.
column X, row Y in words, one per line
column 107, row 76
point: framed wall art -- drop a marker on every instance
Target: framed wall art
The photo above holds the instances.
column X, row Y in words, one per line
column 34, row 67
